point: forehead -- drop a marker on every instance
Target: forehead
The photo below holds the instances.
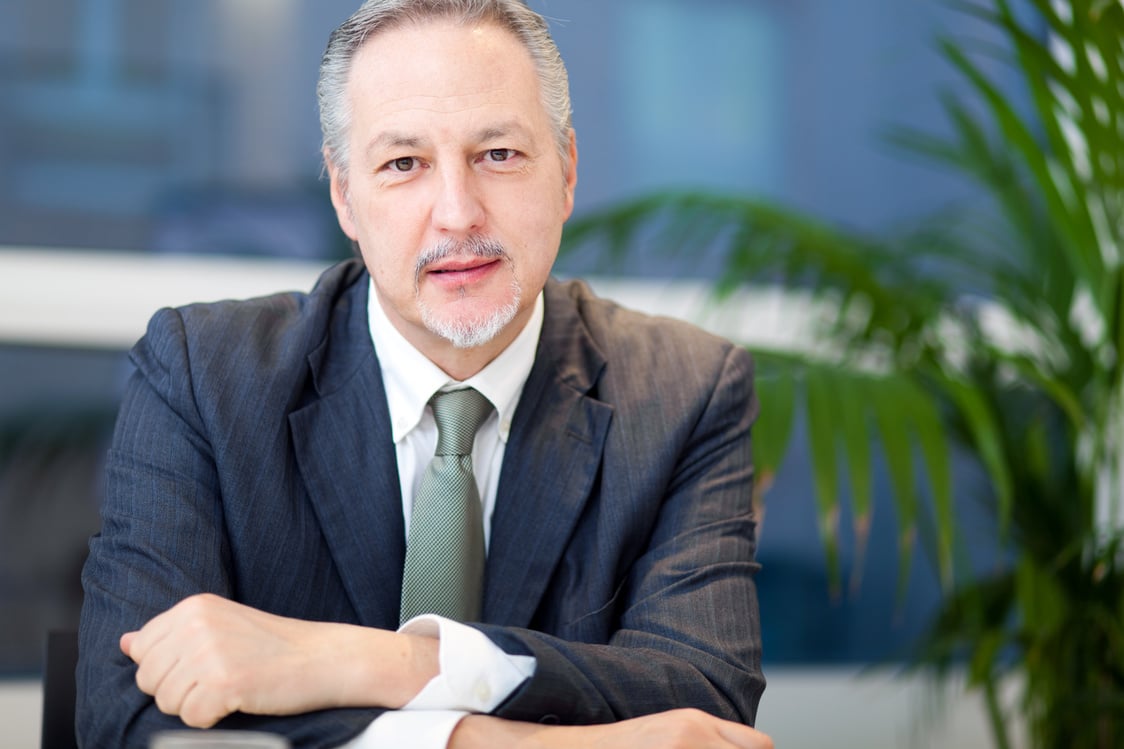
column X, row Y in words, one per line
column 441, row 67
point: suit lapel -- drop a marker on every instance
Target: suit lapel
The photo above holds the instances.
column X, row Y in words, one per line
column 551, row 461
column 344, row 448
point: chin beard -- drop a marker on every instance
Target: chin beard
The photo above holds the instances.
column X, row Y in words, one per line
column 468, row 333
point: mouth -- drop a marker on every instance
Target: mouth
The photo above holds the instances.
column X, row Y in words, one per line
column 460, row 265
column 457, row 265
column 461, row 271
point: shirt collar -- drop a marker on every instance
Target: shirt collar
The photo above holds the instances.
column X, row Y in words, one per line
column 411, row 379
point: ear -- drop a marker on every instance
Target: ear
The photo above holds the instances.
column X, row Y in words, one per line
column 340, row 198
column 571, row 174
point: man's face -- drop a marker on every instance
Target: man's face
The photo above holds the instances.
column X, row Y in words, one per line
column 456, row 191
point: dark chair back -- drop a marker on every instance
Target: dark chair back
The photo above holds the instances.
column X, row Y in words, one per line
column 59, row 691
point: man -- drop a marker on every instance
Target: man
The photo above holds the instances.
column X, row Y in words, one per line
column 268, row 477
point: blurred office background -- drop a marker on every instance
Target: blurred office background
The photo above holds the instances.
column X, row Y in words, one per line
column 123, row 119
column 189, row 127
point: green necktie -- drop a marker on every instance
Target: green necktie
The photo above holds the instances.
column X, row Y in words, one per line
column 444, row 571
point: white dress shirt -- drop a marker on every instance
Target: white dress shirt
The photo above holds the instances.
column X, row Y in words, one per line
column 475, row 675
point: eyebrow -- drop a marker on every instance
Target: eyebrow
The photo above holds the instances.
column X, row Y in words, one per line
column 501, row 130
column 398, row 139
column 392, row 139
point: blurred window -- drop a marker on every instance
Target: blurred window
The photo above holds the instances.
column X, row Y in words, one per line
column 190, row 126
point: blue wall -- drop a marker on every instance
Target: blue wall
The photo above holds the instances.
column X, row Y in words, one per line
column 190, row 125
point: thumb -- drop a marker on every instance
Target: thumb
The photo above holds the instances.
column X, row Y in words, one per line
column 126, row 643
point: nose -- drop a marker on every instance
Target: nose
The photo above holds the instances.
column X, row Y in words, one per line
column 457, row 209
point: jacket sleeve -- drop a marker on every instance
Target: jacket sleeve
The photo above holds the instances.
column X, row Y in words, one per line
column 685, row 628
column 162, row 539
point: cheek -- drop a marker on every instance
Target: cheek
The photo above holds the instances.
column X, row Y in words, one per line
column 535, row 259
column 544, row 231
column 539, row 211
column 389, row 254
column 387, row 234
column 388, row 262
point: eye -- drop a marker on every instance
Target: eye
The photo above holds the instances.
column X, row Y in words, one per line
column 500, row 154
column 403, row 164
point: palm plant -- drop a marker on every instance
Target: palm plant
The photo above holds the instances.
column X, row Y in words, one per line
column 1002, row 333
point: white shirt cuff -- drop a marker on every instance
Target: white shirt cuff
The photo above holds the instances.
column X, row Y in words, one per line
column 475, row 676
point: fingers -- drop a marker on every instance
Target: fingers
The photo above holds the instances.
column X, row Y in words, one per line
column 694, row 729
column 200, row 695
column 207, row 657
column 153, row 652
column 202, row 708
column 675, row 729
column 155, row 677
column 176, row 652
column 743, row 737
column 154, row 664
column 137, row 644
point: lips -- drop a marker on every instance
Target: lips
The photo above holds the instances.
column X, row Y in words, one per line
column 460, row 265
column 461, row 271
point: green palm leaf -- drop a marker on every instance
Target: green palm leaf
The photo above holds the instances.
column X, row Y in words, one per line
column 997, row 327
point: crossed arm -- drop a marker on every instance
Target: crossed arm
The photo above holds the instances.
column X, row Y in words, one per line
column 165, row 536
column 208, row 657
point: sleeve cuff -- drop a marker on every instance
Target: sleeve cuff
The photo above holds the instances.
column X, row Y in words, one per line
column 476, row 674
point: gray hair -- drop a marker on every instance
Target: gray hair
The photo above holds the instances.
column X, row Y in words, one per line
column 379, row 15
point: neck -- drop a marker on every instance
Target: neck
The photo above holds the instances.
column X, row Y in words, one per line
column 463, row 363
column 460, row 363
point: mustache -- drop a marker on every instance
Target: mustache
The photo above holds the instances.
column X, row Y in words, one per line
column 476, row 246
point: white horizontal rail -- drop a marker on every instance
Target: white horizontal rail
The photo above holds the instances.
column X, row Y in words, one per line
column 96, row 299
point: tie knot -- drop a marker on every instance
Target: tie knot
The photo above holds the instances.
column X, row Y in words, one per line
column 459, row 413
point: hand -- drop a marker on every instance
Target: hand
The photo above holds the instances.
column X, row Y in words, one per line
column 208, row 657
column 679, row 729
column 675, row 729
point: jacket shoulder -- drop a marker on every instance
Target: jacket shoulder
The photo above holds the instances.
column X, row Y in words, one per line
column 640, row 363
column 620, row 332
column 261, row 330
column 224, row 360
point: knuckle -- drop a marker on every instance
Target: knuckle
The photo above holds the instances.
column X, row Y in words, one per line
column 164, row 705
column 226, row 685
column 193, row 604
column 223, row 683
column 199, row 716
column 199, row 606
column 144, row 683
column 232, row 704
column 188, row 601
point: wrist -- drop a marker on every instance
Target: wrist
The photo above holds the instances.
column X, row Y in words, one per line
column 379, row 668
column 398, row 666
column 487, row 732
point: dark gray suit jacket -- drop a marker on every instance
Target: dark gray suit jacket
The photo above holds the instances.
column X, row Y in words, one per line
column 253, row 459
